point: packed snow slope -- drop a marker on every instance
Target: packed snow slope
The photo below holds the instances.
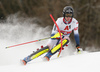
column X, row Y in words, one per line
column 88, row 62
column 16, row 30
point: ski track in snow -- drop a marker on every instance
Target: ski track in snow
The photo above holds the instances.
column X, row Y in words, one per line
column 17, row 32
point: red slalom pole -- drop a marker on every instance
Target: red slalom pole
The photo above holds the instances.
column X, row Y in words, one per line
column 58, row 31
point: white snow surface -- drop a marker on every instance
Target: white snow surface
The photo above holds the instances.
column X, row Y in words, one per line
column 16, row 32
column 88, row 62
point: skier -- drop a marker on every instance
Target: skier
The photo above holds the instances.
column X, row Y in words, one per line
column 66, row 24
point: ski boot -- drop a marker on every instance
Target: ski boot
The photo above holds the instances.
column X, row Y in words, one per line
column 47, row 56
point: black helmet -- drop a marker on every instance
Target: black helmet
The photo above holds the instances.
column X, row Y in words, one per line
column 68, row 11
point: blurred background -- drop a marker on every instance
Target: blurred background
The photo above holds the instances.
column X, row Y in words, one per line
column 87, row 12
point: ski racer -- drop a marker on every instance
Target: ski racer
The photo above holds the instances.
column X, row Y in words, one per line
column 66, row 24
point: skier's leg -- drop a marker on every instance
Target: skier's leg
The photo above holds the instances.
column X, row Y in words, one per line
column 56, row 49
column 35, row 54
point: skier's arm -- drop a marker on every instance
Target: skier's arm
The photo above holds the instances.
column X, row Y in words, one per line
column 76, row 36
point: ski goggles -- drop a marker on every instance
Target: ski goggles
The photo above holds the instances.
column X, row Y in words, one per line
column 68, row 15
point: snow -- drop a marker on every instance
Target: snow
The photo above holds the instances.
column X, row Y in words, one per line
column 18, row 32
column 88, row 62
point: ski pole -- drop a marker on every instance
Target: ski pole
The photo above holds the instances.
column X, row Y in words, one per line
column 55, row 37
column 59, row 33
column 27, row 42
